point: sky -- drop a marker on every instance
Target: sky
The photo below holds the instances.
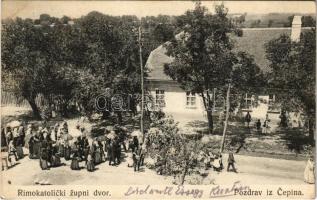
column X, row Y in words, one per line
column 75, row 9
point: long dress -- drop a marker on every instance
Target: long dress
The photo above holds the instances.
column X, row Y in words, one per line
column 43, row 159
column 90, row 164
column 19, row 147
column 67, row 153
column 309, row 173
column 61, row 149
column 56, row 160
column 36, row 147
column 98, row 158
column 75, row 162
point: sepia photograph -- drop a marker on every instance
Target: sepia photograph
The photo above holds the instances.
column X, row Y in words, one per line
column 158, row 97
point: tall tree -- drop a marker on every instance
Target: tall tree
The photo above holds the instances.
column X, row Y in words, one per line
column 293, row 73
column 203, row 54
column 23, row 60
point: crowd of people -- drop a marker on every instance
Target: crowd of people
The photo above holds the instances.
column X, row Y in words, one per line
column 51, row 144
column 214, row 161
column 13, row 139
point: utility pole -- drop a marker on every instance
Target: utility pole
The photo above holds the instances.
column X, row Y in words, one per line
column 142, row 82
column 227, row 117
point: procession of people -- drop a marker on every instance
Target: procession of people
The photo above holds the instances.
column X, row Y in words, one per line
column 52, row 145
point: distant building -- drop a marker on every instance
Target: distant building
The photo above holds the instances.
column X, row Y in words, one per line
column 186, row 106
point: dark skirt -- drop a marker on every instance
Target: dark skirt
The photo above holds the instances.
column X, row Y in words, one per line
column 36, row 150
column 98, row 158
column 67, row 153
column 61, row 150
column 20, row 152
column 56, row 161
column 75, row 164
column 86, row 152
column 90, row 166
column 43, row 164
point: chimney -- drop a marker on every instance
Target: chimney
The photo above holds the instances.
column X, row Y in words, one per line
column 296, row 28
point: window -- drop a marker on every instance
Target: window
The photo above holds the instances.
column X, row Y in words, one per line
column 271, row 104
column 247, row 101
column 159, row 98
column 190, row 100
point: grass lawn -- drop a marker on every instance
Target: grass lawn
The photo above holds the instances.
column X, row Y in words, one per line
column 290, row 143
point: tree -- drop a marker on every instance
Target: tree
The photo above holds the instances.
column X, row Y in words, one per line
column 23, row 61
column 308, row 21
column 177, row 155
column 270, row 23
column 77, row 63
column 203, row 55
column 65, row 19
column 293, row 73
column 289, row 21
column 255, row 24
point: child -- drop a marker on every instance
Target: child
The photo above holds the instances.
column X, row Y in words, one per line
column 130, row 160
column 216, row 164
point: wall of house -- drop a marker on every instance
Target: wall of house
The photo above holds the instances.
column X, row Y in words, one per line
column 175, row 102
column 175, row 105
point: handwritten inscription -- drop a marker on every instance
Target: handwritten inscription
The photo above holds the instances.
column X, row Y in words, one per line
column 181, row 190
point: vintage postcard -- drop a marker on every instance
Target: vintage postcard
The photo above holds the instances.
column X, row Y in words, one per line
column 158, row 99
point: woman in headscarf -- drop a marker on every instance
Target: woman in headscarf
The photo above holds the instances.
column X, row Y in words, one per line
column 309, row 173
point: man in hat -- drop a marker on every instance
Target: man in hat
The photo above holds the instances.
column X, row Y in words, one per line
column 231, row 161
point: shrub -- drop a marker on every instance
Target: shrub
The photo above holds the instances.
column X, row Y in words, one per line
column 175, row 154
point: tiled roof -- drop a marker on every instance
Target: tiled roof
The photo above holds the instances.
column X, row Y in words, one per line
column 252, row 42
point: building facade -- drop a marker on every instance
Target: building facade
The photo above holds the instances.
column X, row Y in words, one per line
column 186, row 106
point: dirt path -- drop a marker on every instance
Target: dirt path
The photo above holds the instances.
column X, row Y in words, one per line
column 252, row 170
